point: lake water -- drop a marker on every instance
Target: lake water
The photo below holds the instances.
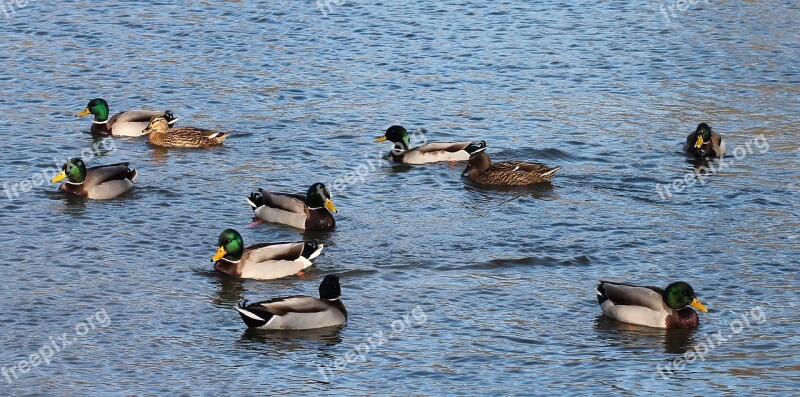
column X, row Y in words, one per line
column 451, row 288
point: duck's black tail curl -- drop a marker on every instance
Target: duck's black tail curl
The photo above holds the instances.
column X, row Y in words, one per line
column 601, row 294
column 255, row 199
column 476, row 147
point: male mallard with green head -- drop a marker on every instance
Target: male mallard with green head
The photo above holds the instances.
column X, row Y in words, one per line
column 506, row 173
column 263, row 261
column 99, row 183
column 310, row 212
column 429, row 152
column 127, row 123
column 650, row 306
column 184, row 137
column 704, row 142
column 298, row 312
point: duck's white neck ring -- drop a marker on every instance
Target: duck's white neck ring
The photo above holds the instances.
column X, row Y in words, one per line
column 99, row 122
column 75, row 183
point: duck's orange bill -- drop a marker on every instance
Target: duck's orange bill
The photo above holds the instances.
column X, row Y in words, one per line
column 220, row 253
column 83, row 113
column 381, row 139
column 699, row 306
column 329, row 205
column 699, row 142
column 58, row 178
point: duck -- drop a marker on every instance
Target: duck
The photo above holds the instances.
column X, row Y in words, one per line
column 312, row 212
column 184, row 137
column 128, row 123
column 427, row 153
column 99, row 183
column 704, row 142
column 506, row 173
column 650, row 306
column 263, row 261
column 298, row 312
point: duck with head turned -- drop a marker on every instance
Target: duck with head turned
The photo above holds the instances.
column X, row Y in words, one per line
column 263, row 261
column 298, row 312
column 704, row 142
column 427, row 153
column 650, row 306
column 182, row 137
column 481, row 170
column 99, row 183
column 127, row 123
column 309, row 212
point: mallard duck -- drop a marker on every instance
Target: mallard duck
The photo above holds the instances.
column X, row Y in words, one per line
column 186, row 137
column 507, row 173
column 429, row 152
column 309, row 212
column 650, row 306
column 299, row 311
column 127, row 123
column 704, row 142
column 263, row 261
column 100, row 183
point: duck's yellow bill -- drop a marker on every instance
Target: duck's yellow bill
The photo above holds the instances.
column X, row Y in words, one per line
column 699, row 142
column 220, row 253
column 83, row 113
column 699, row 306
column 329, row 205
column 381, row 139
column 58, row 178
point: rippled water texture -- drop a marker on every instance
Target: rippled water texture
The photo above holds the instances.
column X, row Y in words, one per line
column 502, row 279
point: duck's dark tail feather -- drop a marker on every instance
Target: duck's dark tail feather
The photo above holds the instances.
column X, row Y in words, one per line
column 133, row 173
column 170, row 117
column 475, row 147
column 601, row 294
column 250, row 317
column 255, row 199
column 312, row 249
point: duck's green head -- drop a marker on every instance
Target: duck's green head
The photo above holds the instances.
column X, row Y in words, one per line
column 397, row 135
column 679, row 295
column 319, row 196
column 330, row 288
column 98, row 107
column 74, row 170
column 703, row 133
column 231, row 246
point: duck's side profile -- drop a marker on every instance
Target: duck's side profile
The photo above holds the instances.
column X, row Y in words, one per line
column 650, row 306
column 298, row 312
column 312, row 212
column 429, row 152
column 99, row 183
column 262, row 261
column 183, row 137
column 127, row 123
column 480, row 169
column 704, row 142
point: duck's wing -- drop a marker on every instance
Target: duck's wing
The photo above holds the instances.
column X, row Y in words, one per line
column 264, row 252
column 289, row 304
column 716, row 143
column 633, row 295
column 134, row 116
column 96, row 176
column 691, row 139
column 288, row 202
column 450, row 147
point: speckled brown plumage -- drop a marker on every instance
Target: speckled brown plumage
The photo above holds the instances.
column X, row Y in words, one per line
column 187, row 137
column 507, row 173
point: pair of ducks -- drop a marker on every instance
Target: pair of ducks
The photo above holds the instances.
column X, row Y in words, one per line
column 157, row 125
